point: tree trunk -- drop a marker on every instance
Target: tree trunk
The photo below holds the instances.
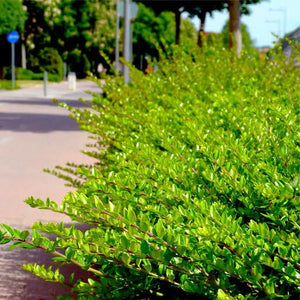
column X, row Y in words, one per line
column 202, row 18
column 235, row 36
column 177, row 22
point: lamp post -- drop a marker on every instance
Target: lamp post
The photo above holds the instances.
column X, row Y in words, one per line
column 130, row 11
column 117, row 38
column 127, row 39
column 283, row 10
column 276, row 22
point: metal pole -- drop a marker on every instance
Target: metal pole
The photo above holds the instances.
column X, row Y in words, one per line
column 117, row 38
column 127, row 36
column 65, row 70
column 284, row 17
column 13, row 65
column 45, row 84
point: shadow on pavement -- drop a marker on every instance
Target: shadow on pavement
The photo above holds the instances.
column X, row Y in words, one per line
column 17, row 284
column 37, row 123
column 48, row 102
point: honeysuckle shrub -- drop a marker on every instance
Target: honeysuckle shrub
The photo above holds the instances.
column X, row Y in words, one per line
column 194, row 188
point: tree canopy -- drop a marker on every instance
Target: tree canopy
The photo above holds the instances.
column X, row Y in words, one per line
column 246, row 38
column 201, row 8
column 12, row 16
column 77, row 29
column 151, row 32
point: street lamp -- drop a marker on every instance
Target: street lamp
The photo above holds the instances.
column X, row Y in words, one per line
column 130, row 11
column 275, row 21
column 127, row 39
column 283, row 10
column 117, row 37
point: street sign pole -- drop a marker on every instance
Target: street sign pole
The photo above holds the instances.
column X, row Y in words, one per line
column 12, row 37
column 13, row 65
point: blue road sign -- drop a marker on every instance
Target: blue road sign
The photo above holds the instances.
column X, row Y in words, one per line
column 12, row 37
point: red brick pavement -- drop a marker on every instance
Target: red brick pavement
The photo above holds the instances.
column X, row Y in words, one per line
column 34, row 134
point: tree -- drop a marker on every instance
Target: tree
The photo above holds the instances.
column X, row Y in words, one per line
column 150, row 32
column 12, row 16
column 77, row 29
column 200, row 9
column 173, row 6
column 247, row 42
column 235, row 36
column 236, row 8
column 188, row 33
column 37, row 32
column 81, row 29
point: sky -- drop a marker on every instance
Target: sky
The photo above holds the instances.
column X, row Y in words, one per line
column 267, row 17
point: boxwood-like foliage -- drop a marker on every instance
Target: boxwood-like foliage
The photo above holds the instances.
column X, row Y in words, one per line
column 194, row 188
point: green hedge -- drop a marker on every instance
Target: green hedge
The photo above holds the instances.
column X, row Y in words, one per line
column 26, row 74
column 194, row 190
column 51, row 62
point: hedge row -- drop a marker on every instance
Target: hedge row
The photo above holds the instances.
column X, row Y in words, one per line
column 195, row 185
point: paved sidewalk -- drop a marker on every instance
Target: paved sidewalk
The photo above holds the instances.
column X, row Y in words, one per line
column 34, row 134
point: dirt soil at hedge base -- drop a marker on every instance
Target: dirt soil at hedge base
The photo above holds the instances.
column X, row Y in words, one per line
column 35, row 134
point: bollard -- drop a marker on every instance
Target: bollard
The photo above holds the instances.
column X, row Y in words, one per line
column 65, row 70
column 72, row 81
column 45, row 84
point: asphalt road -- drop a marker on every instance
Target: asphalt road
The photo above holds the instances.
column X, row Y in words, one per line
column 34, row 134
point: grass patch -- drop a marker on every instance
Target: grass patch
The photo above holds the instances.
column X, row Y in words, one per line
column 7, row 85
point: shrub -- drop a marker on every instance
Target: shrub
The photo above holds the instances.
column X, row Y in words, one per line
column 26, row 74
column 79, row 63
column 51, row 62
column 194, row 191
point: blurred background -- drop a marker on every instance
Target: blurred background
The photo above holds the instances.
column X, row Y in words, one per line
column 61, row 36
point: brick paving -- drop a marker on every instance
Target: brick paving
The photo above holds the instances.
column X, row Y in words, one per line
column 34, row 134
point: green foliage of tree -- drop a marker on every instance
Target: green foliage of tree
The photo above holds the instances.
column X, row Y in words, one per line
column 72, row 27
column 12, row 16
column 200, row 9
column 154, row 33
column 50, row 61
column 151, row 32
column 188, row 34
column 247, row 42
column 195, row 187
column 86, row 27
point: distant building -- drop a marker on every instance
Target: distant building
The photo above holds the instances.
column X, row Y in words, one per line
column 264, row 49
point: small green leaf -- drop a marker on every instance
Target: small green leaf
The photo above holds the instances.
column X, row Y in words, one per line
column 59, row 259
column 125, row 242
column 170, row 274
column 21, row 245
column 131, row 215
column 126, row 258
column 144, row 247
